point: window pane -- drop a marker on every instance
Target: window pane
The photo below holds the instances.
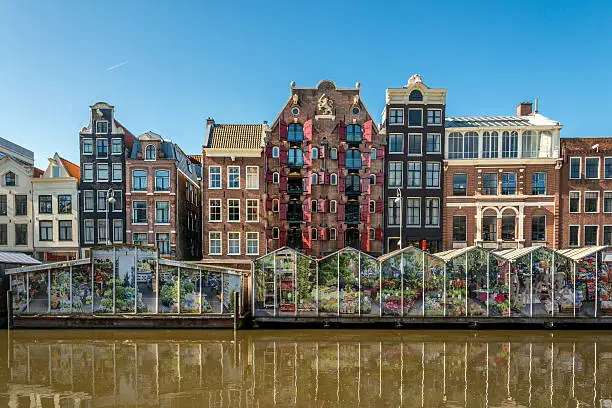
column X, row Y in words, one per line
column 508, row 183
column 415, row 117
column 538, row 228
column 489, row 184
column 459, row 184
column 591, row 167
column 575, row 167
column 396, row 143
column 459, row 228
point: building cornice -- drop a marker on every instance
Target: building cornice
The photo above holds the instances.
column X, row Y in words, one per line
column 499, row 162
column 232, row 152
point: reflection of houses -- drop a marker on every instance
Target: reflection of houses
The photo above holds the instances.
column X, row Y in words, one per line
column 324, row 173
column 502, row 180
column 163, row 198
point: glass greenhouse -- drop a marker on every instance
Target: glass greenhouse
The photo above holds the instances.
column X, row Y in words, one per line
column 124, row 279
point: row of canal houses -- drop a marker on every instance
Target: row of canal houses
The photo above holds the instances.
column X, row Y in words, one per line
column 322, row 176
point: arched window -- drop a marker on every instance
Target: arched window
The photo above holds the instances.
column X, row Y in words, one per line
column 353, row 133
column 275, row 152
column 275, row 205
column 333, row 179
column 489, row 145
column 10, row 179
column 353, row 159
column 470, row 145
column 275, row 178
column 372, row 206
column 313, row 234
column 150, row 153
column 415, row 95
column 315, row 153
column 455, row 145
column 333, row 206
column 373, row 153
column 332, row 234
column 275, row 233
column 372, row 179
column 509, row 145
column 545, row 148
column 313, row 206
column 353, row 184
column 295, row 158
column 314, row 179
column 295, row 133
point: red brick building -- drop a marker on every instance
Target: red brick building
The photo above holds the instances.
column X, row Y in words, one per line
column 586, row 192
column 234, row 191
column 324, row 173
column 163, row 198
column 501, row 180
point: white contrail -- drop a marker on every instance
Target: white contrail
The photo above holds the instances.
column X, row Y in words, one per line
column 116, row 66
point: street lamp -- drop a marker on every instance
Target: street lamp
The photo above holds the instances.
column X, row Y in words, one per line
column 398, row 199
column 110, row 199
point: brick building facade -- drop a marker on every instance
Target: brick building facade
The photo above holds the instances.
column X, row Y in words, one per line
column 324, row 173
column 501, row 180
column 233, row 193
column 586, row 192
column 413, row 123
column 163, row 198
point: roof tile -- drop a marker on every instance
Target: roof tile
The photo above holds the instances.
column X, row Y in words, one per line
column 225, row 136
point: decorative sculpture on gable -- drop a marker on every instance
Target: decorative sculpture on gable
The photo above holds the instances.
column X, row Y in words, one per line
column 416, row 78
column 325, row 105
column 294, row 100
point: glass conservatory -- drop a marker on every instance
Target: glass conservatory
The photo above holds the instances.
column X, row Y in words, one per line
column 124, row 279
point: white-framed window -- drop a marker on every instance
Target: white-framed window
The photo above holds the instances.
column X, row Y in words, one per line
column 414, row 174
column 117, row 172
column 415, row 117
column 163, row 243
column 233, row 243
column 455, row 145
column 608, row 167
column 396, row 170
column 140, row 238
column 314, row 153
column 102, row 231
column 373, row 153
column 233, row 177
column 332, row 234
column 607, row 235
column 396, row 143
column 88, row 172
column 102, row 201
column 396, row 116
column 433, row 143
column 252, row 178
column 434, row 116
column 432, row 212
column 393, row 211
column 214, row 243
column 162, row 182
column 314, row 178
column 116, row 146
column 372, row 179
column 333, row 179
column 591, row 168
column 162, row 212
column 275, row 152
column 433, row 174
column 139, row 180
column 89, row 231
column 101, row 127
column 275, row 232
column 101, row 148
column 372, row 234
column 313, row 234
column 591, row 235
column 88, row 200
column 415, row 144
column 214, row 210
column 574, row 235
column 575, row 168
column 150, row 153
column 252, row 243
column 607, row 201
column 509, row 144
column 87, row 146
column 372, row 206
column 490, row 142
column 102, row 173
column 117, row 231
column 233, row 210
column 139, row 212
column 574, row 201
column 313, row 206
column 214, row 177
column 252, row 209
column 413, row 211
column 591, row 202
column 333, row 206
column 470, row 145
column 275, row 178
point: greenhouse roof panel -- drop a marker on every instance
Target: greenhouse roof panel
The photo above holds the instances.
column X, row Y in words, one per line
column 514, row 254
column 287, row 249
column 384, row 257
column 577, row 254
column 44, row 267
column 449, row 255
column 348, row 249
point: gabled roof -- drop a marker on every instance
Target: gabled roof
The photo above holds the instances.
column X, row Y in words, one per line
column 384, row 257
column 128, row 136
column 17, row 258
column 72, row 169
column 516, row 253
column 195, row 158
column 233, row 136
column 577, row 254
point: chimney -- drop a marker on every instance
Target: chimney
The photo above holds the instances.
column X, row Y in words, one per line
column 524, row 109
column 210, row 121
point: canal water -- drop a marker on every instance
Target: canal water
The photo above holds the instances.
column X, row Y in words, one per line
column 305, row 368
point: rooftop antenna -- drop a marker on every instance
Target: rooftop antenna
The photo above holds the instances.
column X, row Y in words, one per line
column 536, row 106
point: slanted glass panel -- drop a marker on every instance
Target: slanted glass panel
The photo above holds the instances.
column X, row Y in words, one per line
column 565, row 304
column 370, row 285
column 499, row 277
column 391, row 292
column 328, row 286
column 349, row 282
column 125, row 280
column 520, row 287
column 211, row 292
column 231, row 285
column 413, row 282
column 604, row 283
column 286, row 265
column 60, row 290
column 103, row 261
column 146, row 280
column 542, row 283
column 586, row 271
column 264, row 286
column 190, row 290
column 168, row 289
column 456, row 294
column 20, row 297
column 306, row 286
column 477, row 282
column 434, row 287
column 39, row 292
column 82, row 295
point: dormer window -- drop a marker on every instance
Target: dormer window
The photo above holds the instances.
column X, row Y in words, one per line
column 150, row 153
column 10, row 179
column 55, row 171
column 415, row 95
column 102, row 127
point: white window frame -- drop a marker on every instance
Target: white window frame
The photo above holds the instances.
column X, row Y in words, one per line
column 401, row 184
column 228, row 209
column 229, row 243
column 569, row 234
column 277, row 205
column 169, row 213
column 256, row 187
column 395, row 151
column 409, row 144
column 584, row 233
column 98, row 172
column 333, row 234
column 277, row 235
column 569, row 202
column 210, row 179
column 102, row 221
column 598, row 210
column 333, row 153
column 433, row 123
column 93, row 238
column 101, row 121
column 97, row 197
column 251, row 207
column 408, row 118
column 97, row 155
column 155, row 154
column 405, row 202
column 403, row 116
column 333, row 206
column 579, row 168
column 333, row 179
column 545, row 226
column 146, row 213
column 372, row 206
column 603, row 233
column 603, row 202
column 420, row 163
column 85, row 171
column 120, row 171
column 92, row 146
column 314, row 152
column 113, row 140
column 94, row 201
column 228, row 177
column 115, row 221
column 439, row 143
column 251, row 239
column 439, row 174
column 425, row 224
column 598, row 168
column 275, row 178
column 275, row 152
column 210, row 239
column 391, row 239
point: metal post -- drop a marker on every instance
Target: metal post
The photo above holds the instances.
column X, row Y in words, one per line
column 114, row 272
column 488, row 287
column 444, row 293
column 466, row 284
column 380, row 307
column 574, row 278
column 338, row 263
column 236, row 309
column 552, row 284
column 531, row 284
column 275, row 287
column 359, row 280
column 9, row 310
column 596, row 283
column 423, row 284
column 48, row 290
column 402, row 284
column 71, row 289
column 179, row 291
column 27, row 289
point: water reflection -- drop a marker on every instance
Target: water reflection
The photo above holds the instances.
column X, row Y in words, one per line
column 305, row 368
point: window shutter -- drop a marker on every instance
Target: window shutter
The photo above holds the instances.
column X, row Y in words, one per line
column 341, row 182
column 365, row 240
column 306, row 211
column 306, row 242
column 268, row 151
column 308, row 130
column 282, row 238
column 282, row 186
column 340, row 236
column 380, row 153
column 268, row 204
column 366, row 159
column 379, row 234
column 367, row 131
column 341, row 157
column 322, row 152
column 380, row 178
column 269, row 177
column 326, row 178
column 307, row 154
column 340, row 211
column 321, row 205
column 365, row 211
column 379, row 206
column 322, row 234
column 282, row 130
column 307, row 184
column 341, row 131
column 365, row 184
column 283, row 155
column 283, row 211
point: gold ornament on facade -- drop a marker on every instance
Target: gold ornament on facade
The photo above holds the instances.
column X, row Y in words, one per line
column 325, row 105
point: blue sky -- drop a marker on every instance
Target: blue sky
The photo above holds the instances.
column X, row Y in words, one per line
column 181, row 61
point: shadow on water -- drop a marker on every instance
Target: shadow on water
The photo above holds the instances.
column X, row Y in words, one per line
column 305, row 368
